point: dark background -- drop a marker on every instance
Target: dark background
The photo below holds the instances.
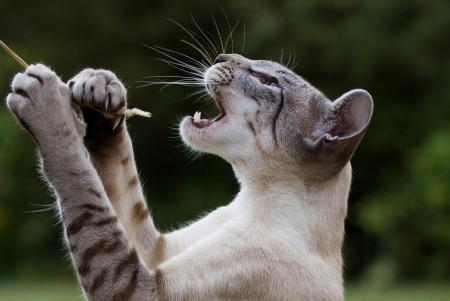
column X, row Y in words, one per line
column 398, row 227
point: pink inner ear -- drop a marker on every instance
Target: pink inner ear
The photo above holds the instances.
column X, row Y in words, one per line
column 351, row 114
column 346, row 117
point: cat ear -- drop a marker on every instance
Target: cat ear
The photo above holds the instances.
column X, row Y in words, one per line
column 340, row 128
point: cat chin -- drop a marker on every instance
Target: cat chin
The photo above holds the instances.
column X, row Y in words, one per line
column 205, row 135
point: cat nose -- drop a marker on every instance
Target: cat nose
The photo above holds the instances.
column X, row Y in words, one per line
column 222, row 58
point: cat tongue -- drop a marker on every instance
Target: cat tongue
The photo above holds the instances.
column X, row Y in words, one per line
column 203, row 123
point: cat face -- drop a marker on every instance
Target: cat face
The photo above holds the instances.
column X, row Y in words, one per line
column 272, row 118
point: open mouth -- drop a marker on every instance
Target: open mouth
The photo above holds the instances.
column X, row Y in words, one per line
column 203, row 123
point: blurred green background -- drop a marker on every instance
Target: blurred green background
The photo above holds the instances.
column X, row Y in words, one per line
column 398, row 227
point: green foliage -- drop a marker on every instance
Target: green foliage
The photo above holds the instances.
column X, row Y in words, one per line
column 398, row 223
column 410, row 292
column 413, row 212
column 57, row 290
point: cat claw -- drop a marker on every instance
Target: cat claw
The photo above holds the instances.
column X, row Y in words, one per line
column 117, row 122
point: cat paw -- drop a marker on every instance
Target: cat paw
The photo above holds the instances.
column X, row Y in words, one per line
column 40, row 101
column 99, row 89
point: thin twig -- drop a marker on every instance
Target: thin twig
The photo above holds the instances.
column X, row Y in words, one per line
column 123, row 111
column 14, row 55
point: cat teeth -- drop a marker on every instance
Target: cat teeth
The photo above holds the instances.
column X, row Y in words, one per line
column 197, row 116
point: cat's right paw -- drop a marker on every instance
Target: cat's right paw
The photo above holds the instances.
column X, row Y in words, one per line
column 99, row 89
column 41, row 103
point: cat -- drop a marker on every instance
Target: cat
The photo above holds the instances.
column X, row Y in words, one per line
column 279, row 239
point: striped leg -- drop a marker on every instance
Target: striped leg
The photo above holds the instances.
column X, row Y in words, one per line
column 111, row 153
column 107, row 264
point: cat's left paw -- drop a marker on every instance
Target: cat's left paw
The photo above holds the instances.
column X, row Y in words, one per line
column 40, row 101
column 100, row 89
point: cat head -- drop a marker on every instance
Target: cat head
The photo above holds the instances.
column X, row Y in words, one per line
column 273, row 121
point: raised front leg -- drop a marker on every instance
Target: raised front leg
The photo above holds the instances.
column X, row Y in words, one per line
column 111, row 153
column 107, row 264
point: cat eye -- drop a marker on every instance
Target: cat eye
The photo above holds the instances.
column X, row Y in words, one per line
column 274, row 84
column 265, row 79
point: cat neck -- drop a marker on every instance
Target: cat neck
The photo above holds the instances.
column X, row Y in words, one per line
column 265, row 185
column 312, row 211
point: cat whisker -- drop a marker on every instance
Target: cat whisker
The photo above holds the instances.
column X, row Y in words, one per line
column 204, row 52
column 209, row 59
column 206, row 97
column 289, row 59
column 184, row 65
column 203, row 93
column 165, row 84
column 194, row 69
column 218, row 32
column 169, row 76
column 203, row 33
column 194, row 154
column 45, row 207
column 295, row 62
column 230, row 36
column 158, row 79
column 161, row 51
column 171, row 83
column 190, row 70
column 282, row 54
column 243, row 43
